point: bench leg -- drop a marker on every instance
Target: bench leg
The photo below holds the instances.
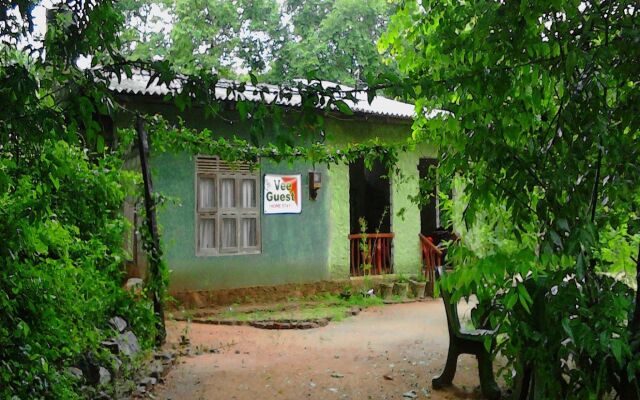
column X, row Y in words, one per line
column 446, row 377
column 489, row 387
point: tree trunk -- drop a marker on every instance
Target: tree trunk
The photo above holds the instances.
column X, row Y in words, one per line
column 154, row 256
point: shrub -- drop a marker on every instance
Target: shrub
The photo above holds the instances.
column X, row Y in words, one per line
column 61, row 266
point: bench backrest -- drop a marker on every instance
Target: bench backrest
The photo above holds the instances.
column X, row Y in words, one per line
column 453, row 322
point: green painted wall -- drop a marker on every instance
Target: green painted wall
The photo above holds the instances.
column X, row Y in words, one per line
column 305, row 247
column 338, row 195
column 293, row 245
column 406, row 244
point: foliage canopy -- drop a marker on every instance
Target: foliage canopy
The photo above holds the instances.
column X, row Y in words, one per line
column 281, row 41
column 543, row 130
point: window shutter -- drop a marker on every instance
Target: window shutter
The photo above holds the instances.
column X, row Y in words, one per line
column 227, row 207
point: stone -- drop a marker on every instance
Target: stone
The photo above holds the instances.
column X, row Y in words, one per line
column 128, row 344
column 102, row 396
column 111, row 345
column 75, row 373
column 388, row 377
column 88, row 392
column 90, row 368
column 135, row 285
column 412, row 394
column 337, row 375
column 148, row 382
column 157, row 371
column 104, row 376
column 166, row 357
column 141, row 390
column 118, row 324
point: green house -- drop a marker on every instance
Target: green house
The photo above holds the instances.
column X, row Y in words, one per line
column 233, row 227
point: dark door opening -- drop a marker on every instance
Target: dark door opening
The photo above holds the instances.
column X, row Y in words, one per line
column 370, row 199
column 428, row 193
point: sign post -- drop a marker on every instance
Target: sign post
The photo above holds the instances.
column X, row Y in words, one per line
column 282, row 194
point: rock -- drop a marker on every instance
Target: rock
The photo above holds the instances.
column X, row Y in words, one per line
column 157, row 371
column 337, row 375
column 141, row 390
column 87, row 392
column 412, row 394
column 148, row 382
column 135, row 285
column 388, row 377
column 116, row 364
column 75, row 373
column 333, row 390
column 127, row 344
column 90, row 368
column 111, row 345
column 102, row 396
column 118, row 324
column 104, row 376
column 166, row 357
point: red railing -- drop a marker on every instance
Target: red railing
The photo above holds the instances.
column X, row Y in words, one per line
column 371, row 249
column 431, row 258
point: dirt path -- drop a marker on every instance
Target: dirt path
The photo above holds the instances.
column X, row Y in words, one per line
column 345, row 360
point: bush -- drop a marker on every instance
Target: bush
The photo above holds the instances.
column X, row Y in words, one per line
column 61, row 266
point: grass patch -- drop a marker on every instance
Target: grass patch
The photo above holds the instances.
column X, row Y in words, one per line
column 316, row 307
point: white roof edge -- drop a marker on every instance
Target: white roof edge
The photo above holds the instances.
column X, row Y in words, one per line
column 380, row 105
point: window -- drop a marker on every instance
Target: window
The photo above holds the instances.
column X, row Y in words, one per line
column 227, row 207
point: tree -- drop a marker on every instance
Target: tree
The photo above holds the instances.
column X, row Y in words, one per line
column 62, row 187
column 334, row 40
column 61, row 193
column 543, row 127
column 328, row 39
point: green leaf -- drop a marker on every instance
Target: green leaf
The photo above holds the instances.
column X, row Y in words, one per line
column 100, row 144
column 343, row 107
column 555, row 238
column 616, row 349
column 567, row 328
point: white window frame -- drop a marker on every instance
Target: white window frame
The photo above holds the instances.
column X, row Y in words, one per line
column 213, row 168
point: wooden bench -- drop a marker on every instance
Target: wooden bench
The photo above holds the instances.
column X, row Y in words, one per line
column 465, row 342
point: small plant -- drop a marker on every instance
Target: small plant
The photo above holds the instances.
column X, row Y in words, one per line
column 368, row 284
column 364, row 246
column 346, row 292
column 420, row 277
column 401, row 278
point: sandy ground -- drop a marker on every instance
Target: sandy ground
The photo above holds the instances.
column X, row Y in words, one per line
column 380, row 354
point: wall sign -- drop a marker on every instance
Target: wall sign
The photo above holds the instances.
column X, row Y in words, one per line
column 282, row 194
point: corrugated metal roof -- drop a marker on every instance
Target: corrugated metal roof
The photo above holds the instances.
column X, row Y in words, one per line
column 273, row 94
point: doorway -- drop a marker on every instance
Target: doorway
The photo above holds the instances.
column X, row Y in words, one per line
column 370, row 201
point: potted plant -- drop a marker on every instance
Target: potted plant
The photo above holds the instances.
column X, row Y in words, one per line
column 386, row 288
column 418, row 284
column 400, row 286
